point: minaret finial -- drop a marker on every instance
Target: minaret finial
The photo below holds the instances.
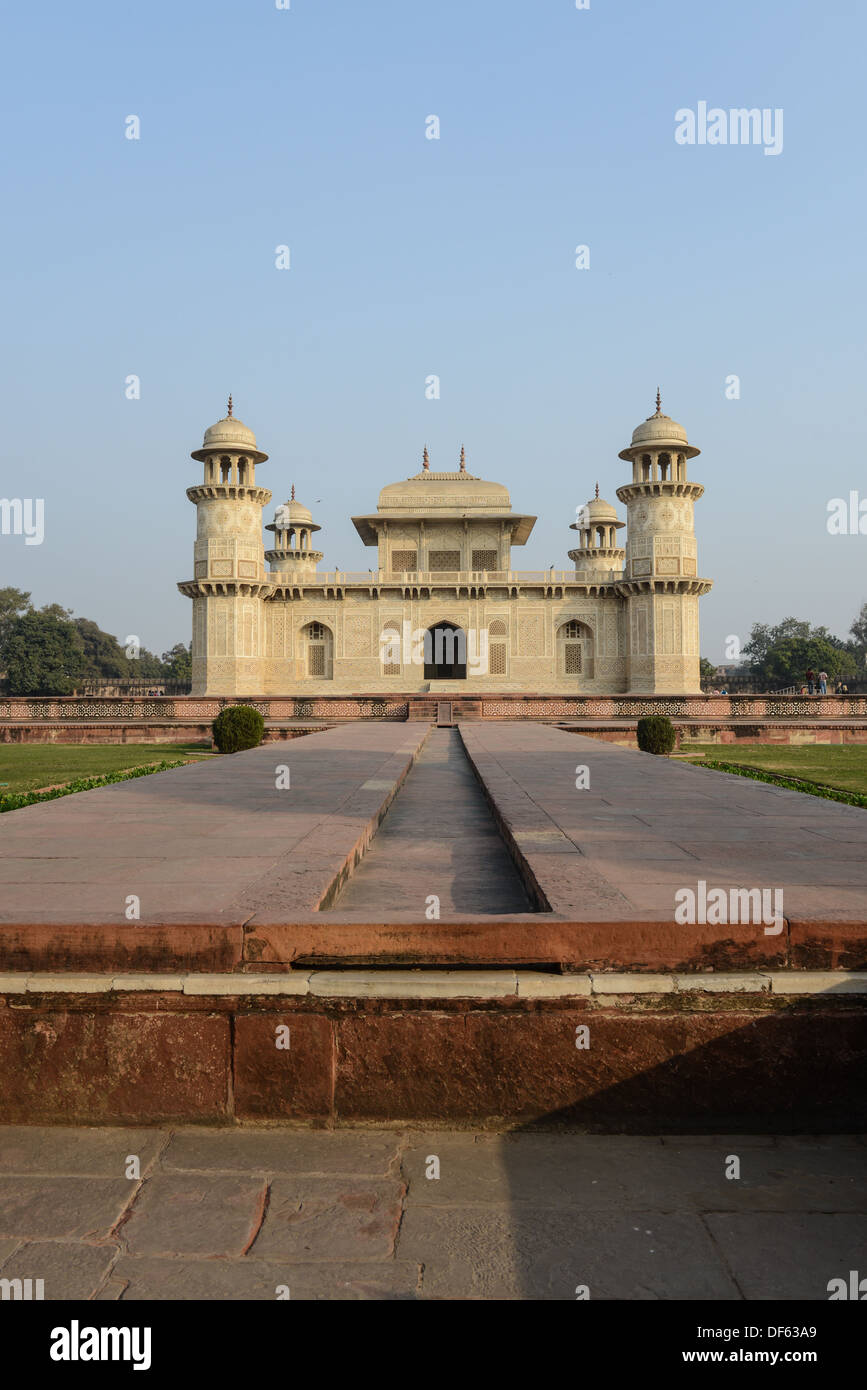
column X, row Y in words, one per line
column 463, row 459
column 658, row 402
column 425, row 459
column 230, row 406
column 292, row 499
column 597, row 489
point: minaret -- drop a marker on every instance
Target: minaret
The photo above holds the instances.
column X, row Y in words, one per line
column 597, row 552
column 660, row 579
column 229, row 568
column 291, row 557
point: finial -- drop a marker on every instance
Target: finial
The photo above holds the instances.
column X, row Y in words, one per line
column 230, row 406
column 425, row 459
column 597, row 489
column 463, row 459
column 658, row 402
column 292, row 499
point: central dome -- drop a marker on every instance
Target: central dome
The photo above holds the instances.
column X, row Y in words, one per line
column 449, row 491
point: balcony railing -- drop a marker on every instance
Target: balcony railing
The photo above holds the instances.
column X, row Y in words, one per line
column 415, row 577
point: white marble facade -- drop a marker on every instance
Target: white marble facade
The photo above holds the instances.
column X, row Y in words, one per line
column 441, row 607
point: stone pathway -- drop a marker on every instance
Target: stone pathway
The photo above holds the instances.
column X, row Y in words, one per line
column 643, row 827
column 386, row 1214
column 222, row 843
column 211, row 842
column 439, row 837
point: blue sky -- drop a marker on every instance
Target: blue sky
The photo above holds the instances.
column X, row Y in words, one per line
column 306, row 127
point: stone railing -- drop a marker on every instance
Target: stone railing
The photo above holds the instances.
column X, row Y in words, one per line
column 338, row 578
column 77, row 708
column 200, row 708
column 710, row 707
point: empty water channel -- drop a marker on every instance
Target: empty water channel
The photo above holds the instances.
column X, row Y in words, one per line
column 438, row 837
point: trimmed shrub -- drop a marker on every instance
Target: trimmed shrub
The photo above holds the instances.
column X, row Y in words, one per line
column 656, row 734
column 238, row 727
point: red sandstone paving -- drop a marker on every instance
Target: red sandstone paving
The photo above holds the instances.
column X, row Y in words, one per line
column 339, row 1219
column 300, row 1152
column 530, row 771
column 68, row 1271
column 54, row 1149
column 547, row 1254
column 147, row 1279
column 62, row 1207
column 789, row 1255
column 195, row 842
column 602, row 860
column 190, row 1215
column 517, row 1215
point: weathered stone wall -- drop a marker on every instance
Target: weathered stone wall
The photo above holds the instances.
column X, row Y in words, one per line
column 655, row 1064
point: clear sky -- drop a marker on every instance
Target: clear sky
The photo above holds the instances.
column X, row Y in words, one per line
column 305, row 127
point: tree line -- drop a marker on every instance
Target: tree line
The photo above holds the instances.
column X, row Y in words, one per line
column 48, row 651
column 781, row 656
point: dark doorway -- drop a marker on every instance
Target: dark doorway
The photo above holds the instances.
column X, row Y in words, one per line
column 445, row 653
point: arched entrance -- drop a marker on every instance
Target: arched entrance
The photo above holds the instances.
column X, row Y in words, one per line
column 445, row 653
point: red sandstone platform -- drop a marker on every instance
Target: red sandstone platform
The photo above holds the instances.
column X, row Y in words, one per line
column 227, row 871
column 247, row 931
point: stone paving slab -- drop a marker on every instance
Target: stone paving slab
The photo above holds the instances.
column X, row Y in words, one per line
column 546, row 1254
column 68, row 1270
column 211, row 838
column 191, row 1215
column 60, row 1208
column 334, row 1219
column 369, row 1153
column 146, row 1279
column 788, row 1255
column 55, row 1150
column 583, row 1174
column 529, row 772
column 359, row 1214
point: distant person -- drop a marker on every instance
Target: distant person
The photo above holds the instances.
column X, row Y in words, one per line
column 811, row 680
column 723, row 691
column 823, row 682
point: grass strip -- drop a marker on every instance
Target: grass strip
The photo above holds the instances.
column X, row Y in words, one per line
column 14, row 801
column 795, row 784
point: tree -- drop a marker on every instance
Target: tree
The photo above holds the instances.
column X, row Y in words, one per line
column 706, row 671
column 104, row 657
column 148, row 667
column 13, row 602
column 179, row 663
column 859, row 639
column 44, row 654
column 781, row 655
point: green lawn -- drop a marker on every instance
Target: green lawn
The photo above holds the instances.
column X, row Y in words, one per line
column 27, row 767
column 842, row 766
